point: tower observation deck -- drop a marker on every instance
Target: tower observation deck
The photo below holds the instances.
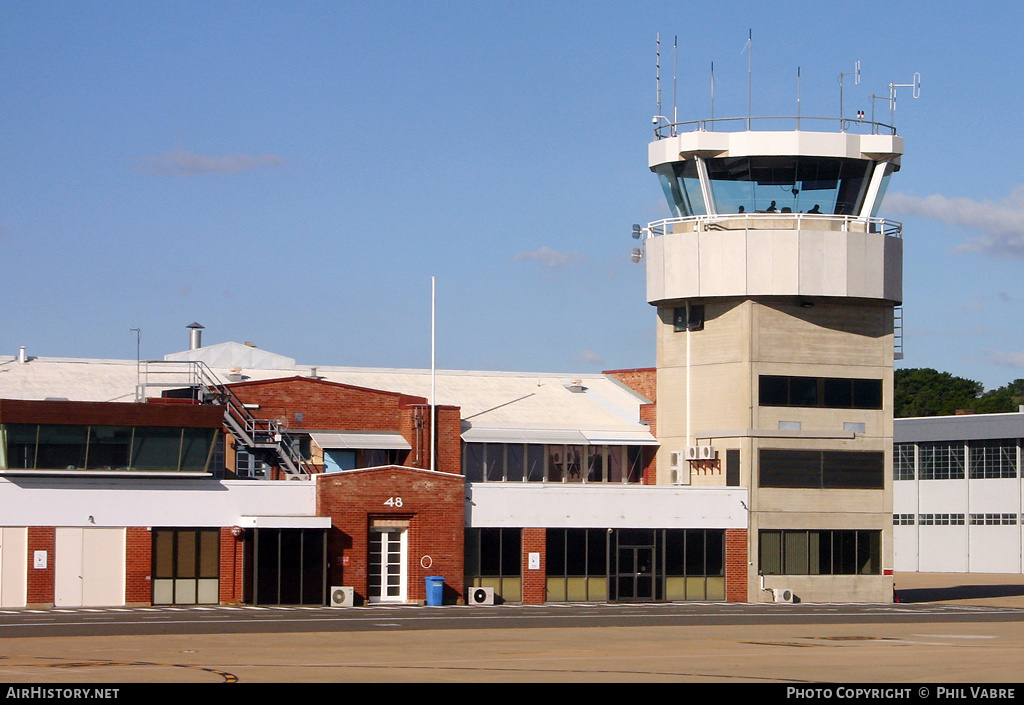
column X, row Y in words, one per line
column 770, row 212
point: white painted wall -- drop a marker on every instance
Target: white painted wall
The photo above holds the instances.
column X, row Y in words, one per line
column 582, row 506
column 13, row 579
column 129, row 502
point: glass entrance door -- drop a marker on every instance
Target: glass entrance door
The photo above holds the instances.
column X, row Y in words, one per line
column 636, row 570
column 635, row 580
column 388, row 558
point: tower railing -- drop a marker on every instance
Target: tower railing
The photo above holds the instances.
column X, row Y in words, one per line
column 772, row 221
column 785, row 123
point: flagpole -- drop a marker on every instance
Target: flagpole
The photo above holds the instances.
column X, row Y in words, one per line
column 433, row 407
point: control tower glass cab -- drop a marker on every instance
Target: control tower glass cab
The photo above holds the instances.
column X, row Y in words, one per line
column 714, row 173
column 776, row 284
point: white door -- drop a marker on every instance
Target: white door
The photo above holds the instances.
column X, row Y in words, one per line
column 13, row 572
column 89, row 567
column 387, row 571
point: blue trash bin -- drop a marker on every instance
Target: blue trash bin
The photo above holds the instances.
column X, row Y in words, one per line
column 435, row 590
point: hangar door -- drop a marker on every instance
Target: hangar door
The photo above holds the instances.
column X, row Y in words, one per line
column 89, row 567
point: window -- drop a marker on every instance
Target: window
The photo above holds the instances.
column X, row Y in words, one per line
column 820, row 552
column 940, row 519
column 903, row 461
column 822, row 469
column 993, row 459
column 993, row 519
column 635, row 564
column 248, row 465
column 576, row 563
column 493, row 558
column 732, row 468
column 84, row 447
column 821, row 392
column 682, row 188
column 786, row 183
column 941, row 461
column 690, row 317
column 903, row 519
column 186, row 566
column 519, row 462
column 341, row 459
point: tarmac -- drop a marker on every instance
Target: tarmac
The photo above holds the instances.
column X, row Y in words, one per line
column 929, row 655
column 988, row 589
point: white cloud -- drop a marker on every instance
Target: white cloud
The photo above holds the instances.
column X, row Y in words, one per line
column 547, row 257
column 184, row 163
column 589, row 357
column 1005, row 359
column 1001, row 221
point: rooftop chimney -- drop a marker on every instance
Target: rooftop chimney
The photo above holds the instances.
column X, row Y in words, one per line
column 22, row 355
column 195, row 336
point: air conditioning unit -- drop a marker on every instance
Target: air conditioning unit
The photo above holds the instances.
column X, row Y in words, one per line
column 680, row 473
column 782, row 594
column 481, row 596
column 342, row 596
column 700, row 453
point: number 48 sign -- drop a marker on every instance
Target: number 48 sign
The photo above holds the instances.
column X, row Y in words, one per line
column 393, row 502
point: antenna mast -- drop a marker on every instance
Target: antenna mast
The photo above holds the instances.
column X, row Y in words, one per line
column 657, row 69
column 712, row 95
column 750, row 71
column 798, row 97
column 856, row 74
column 916, row 85
column 675, row 66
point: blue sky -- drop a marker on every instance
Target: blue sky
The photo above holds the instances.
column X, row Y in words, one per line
column 293, row 173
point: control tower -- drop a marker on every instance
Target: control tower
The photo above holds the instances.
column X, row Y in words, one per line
column 776, row 285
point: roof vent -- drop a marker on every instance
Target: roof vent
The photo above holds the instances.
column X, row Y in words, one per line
column 22, row 355
column 195, row 336
column 576, row 386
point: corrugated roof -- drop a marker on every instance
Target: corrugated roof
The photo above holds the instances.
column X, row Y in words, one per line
column 488, row 400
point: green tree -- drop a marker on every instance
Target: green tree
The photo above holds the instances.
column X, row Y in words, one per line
column 927, row 392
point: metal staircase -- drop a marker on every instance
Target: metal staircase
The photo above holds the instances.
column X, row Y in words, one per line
column 264, row 438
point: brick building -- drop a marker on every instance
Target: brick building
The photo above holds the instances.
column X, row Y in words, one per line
column 541, row 487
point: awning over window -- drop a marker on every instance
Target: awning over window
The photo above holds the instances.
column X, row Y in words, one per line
column 363, row 440
column 556, row 436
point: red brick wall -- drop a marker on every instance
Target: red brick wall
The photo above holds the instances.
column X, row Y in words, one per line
column 231, row 565
column 534, row 540
column 648, row 414
column 138, row 565
column 329, row 406
column 736, row 565
column 449, row 439
column 40, row 581
column 642, row 380
column 432, row 502
column 324, row 405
